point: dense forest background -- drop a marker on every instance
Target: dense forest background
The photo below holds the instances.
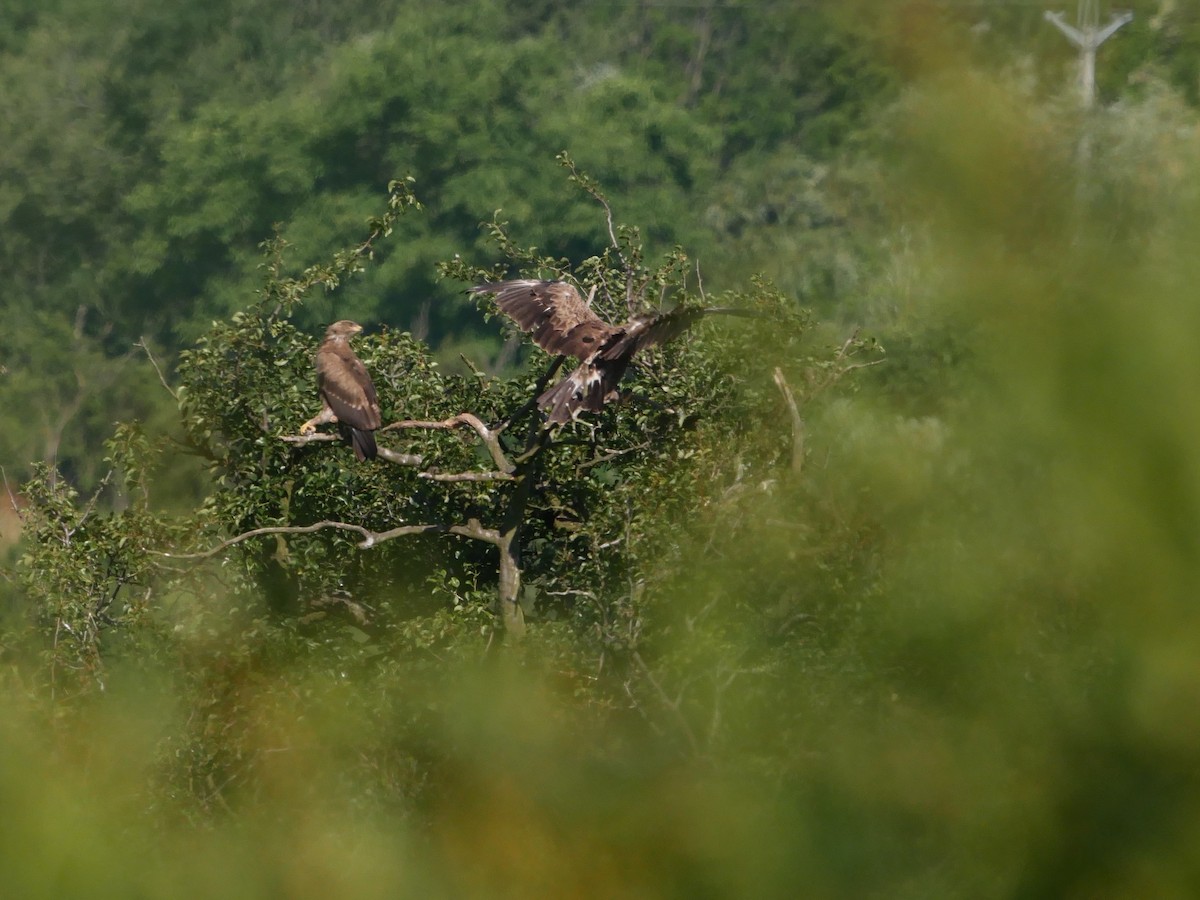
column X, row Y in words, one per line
column 152, row 151
column 893, row 598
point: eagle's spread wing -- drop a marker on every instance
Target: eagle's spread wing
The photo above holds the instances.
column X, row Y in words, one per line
column 347, row 389
column 554, row 314
column 595, row 381
column 651, row 329
column 561, row 322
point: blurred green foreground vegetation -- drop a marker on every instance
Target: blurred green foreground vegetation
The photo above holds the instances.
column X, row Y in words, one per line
column 938, row 638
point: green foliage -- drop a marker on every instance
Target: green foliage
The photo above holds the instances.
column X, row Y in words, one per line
column 87, row 579
column 572, row 503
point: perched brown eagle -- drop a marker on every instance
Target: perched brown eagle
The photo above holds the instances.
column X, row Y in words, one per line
column 561, row 321
column 347, row 392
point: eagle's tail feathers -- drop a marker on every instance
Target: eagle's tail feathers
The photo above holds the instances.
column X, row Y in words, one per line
column 561, row 402
column 363, row 443
column 586, row 389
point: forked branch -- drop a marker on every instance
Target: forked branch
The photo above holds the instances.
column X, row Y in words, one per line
column 317, row 437
column 510, row 575
column 490, row 438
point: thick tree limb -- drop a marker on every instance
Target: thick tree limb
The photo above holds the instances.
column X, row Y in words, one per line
column 490, row 438
column 465, row 476
column 798, row 427
column 471, row 530
column 400, row 459
column 258, row 532
column 369, row 538
column 392, row 456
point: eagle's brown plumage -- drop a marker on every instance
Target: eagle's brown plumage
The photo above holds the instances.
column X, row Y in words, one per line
column 560, row 321
column 347, row 392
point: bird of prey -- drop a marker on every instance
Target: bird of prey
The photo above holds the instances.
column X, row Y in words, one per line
column 562, row 322
column 347, row 392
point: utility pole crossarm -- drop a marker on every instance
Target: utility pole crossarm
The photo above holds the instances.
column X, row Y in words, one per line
column 1088, row 38
column 1074, row 35
column 1111, row 27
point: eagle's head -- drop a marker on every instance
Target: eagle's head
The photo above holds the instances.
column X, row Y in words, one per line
column 345, row 329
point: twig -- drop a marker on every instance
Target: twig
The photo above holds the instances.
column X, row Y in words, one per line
column 586, row 183
column 672, row 705
column 571, row 593
column 12, row 499
column 88, row 507
column 839, row 371
column 481, row 376
column 719, row 688
column 142, row 343
column 610, row 456
column 591, row 188
column 539, row 386
column 866, row 365
column 798, row 427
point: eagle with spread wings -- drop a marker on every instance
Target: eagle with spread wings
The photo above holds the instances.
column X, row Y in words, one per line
column 347, row 392
column 562, row 322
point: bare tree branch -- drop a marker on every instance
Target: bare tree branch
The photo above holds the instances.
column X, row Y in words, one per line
column 12, row 498
column 369, row 538
column 489, row 437
column 400, row 459
column 271, row 529
column 672, row 705
column 317, row 437
column 146, row 347
column 798, row 427
column 471, row 530
column 466, row 476
column 593, row 189
column 611, row 455
column 392, row 456
column 866, row 365
column 510, row 573
column 538, row 387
